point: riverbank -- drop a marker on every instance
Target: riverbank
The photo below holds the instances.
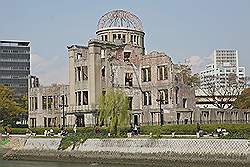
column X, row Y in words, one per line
column 135, row 151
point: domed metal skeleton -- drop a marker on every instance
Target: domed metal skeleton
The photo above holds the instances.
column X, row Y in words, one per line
column 120, row 19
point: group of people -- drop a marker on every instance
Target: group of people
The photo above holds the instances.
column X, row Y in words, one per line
column 64, row 131
column 49, row 132
column 218, row 132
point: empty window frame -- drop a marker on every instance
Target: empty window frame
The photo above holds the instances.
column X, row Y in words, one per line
column 184, row 102
column 36, row 105
column 102, row 53
column 146, row 74
column 147, row 98
column 114, row 37
column 55, row 102
column 129, row 79
column 85, row 98
column 79, row 99
column 50, row 101
column 78, row 56
column 163, row 96
column 123, row 38
column 78, row 73
column 127, row 56
column 84, row 72
column 162, row 72
column 103, row 71
column 44, row 102
column 119, row 36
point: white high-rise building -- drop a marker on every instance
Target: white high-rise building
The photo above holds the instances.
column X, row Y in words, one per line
column 225, row 62
column 217, row 76
column 227, row 59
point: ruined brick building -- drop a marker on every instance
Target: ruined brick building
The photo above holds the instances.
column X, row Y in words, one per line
column 117, row 59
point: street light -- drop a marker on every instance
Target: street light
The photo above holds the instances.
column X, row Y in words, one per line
column 161, row 110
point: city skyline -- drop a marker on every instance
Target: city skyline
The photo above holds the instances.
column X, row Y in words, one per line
column 182, row 30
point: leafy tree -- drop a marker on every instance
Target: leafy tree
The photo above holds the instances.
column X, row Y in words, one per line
column 221, row 95
column 113, row 110
column 9, row 108
column 243, row 101
column 23, row 102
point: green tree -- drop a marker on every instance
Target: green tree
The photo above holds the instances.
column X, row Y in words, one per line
column 9, row 108
column 23, row 102
column 113, row 110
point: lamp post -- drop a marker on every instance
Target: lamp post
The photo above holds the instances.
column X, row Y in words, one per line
column 161, row 110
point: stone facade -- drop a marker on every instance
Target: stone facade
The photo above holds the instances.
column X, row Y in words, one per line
column 157, row 89
column 116, row 59
column 220, row 116
column 153, row 151
column 45, row 104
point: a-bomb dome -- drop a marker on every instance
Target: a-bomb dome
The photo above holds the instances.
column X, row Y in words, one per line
column 120, row 19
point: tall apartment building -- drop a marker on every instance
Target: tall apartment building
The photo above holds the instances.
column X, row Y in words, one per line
column 15, row 65
column 225, row 62
column 225, row 65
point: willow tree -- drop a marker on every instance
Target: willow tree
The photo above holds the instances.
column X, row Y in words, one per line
column 113, row 110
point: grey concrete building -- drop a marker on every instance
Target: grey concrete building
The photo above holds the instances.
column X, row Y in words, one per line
column 15, row 65
column 117, row 59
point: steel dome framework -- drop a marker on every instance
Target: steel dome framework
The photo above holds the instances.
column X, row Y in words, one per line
column 120, row 19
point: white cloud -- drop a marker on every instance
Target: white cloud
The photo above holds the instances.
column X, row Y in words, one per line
column 53, row 70
column 198, row 63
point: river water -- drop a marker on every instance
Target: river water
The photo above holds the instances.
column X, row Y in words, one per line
column 8, row 163
column 5, row 163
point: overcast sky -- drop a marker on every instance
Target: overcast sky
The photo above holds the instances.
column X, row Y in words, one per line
column 181, row 28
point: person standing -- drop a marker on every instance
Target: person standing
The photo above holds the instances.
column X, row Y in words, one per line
column 74, row 129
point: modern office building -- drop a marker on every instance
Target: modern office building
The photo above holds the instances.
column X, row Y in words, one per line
column 15, row 65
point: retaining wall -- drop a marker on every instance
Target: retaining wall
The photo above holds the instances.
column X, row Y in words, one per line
column 153, row 150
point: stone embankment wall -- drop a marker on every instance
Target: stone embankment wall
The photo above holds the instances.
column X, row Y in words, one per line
column 137, row 150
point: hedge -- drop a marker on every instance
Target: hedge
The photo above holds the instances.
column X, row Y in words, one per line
column 191, row 129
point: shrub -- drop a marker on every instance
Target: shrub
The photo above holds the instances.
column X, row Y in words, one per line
column 122, row 132
column 84, row 129
column 2, row 130
column 19, row 130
